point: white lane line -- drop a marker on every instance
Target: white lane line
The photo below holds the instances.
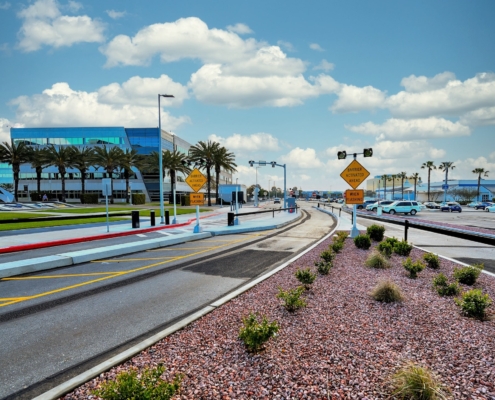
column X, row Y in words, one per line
column 164, row 233
column 141, row 235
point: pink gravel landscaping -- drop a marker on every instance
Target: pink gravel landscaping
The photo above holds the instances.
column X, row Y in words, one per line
column 343, row 345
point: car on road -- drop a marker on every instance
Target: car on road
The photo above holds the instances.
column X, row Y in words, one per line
column 432, row 205
column 404, row 207
column 482, row 205
column 374, row 206
column 452, row 207
column 473, row 204
column 490, row 209
column 276, row 200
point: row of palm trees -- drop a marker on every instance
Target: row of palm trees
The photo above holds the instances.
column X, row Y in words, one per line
column 402, row 176
column 114, row 159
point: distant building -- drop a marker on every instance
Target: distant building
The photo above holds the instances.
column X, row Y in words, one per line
column 144, row 140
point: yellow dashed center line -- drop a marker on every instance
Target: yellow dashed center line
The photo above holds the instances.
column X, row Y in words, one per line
column 109, row 275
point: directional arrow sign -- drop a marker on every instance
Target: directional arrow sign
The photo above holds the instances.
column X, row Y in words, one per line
column 354, row 174
column 196, row 180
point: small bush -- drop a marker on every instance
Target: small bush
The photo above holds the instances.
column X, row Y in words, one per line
column 327, row 256
column 254, row 334
column 443, row 287
column 385, row 248
column 468, row 275
column 292, row 298
column 387, row 292
column 305, row 276
column 376, row 260
column 362, row 242
column 413, row 268
column 414, row 382
column 337, row 247
column 432, row 260
column 341, row 236
column 376, row 232
column 323, row 267
column 474, row 303
column 138, row 198
column 402, row 248
column 148, row 385
column 392, row 241
column 88, row 198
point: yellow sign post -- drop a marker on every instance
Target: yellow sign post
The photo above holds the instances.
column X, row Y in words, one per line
column 354, row 174
column 196, row 180
column 354, row 196
column 197, row 199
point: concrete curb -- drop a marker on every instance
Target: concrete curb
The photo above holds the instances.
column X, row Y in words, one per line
column 78, row 380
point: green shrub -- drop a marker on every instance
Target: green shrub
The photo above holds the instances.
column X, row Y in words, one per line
column 323, row 267
column 362, row 242
column 376, row 232
column 387, row 292
column 292, row 298
column 402, row 248
column 443, row 287
column 385, row 248
column 327, row 255
column 474, row 303
column 376, row 260
column 254, row 334
column 392, row 240
column 414, row 382
column 88, row 198
column 468, row 275
column 148, row 385
column 432, row 260
column 138, row 198
column 337, row 246
column 413, row 268
column 341, row 236
column 305, row 276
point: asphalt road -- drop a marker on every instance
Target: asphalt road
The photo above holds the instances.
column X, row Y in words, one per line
column 85, row 314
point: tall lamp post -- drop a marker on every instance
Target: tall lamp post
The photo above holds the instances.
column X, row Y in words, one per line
column 160, row 156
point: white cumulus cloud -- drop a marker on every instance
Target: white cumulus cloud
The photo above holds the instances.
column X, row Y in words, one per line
column 417, row 84
column 43, row 24
column 325, row 66
column 423, row 128
column 302, row 158
column 62, row 106
column 316, row 47
column 353, row 99
column 256, row 141
column 115, row 14
column 5, row 126
column 403, row 150
column 5, row 6
column 239, row 28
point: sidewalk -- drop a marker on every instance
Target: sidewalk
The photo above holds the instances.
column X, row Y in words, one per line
column 211, row 224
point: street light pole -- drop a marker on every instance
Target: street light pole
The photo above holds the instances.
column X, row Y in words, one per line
column 160, row 157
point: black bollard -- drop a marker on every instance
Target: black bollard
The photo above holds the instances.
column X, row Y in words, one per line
column 230, row 219
column 135, row 219
column 152, row 217
column 167, row 217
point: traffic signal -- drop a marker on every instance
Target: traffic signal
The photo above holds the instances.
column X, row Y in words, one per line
column 251, row 162
column 341, row 155
column 368, row 152
column 273, row 163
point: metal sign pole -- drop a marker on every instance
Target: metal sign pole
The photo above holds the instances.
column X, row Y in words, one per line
column 106, row 202
column 197, row 228
column 174, row 221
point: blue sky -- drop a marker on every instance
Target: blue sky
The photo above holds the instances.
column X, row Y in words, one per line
column 270, row 80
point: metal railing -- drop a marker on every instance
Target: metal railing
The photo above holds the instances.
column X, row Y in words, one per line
column 231, row 216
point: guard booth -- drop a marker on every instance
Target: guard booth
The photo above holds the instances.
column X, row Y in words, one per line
column 291, row 204
column 240, row 199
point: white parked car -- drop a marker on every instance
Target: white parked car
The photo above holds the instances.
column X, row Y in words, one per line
column 490, row 209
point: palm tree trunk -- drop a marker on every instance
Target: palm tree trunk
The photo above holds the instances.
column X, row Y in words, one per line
column 429, row 171
column 415, row 189
column 385, row 189
column 111, row 185
column 38, row 179
column 402, row 188
column 208, row 177
column 16, row 183
column 217, row 181
column 479, row 182
column 83, row 182
column 127, row 197
column 63, row 186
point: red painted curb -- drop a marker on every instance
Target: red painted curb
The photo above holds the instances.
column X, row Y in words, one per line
column 41, row 245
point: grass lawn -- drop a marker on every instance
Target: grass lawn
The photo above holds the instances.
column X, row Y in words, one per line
column 7, row 215
column 145, row 212
column 45, row 224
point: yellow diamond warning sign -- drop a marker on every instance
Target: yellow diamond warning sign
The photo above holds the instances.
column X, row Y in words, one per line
column 354, row 196
column 196, row 179
column 354, row 174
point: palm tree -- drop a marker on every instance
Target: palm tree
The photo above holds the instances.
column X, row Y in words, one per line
column 60, row 157
column 109, row 160
column 416, row 178
column 82, row 160
column 129, row 159
column 402, row 176
column 37, row 159
column 428, row 165
column 205, row 153
column 480, row 171
column 384, row 178
column 394, row 177
column 14, row 155
column 223, row 159
column 445, row 166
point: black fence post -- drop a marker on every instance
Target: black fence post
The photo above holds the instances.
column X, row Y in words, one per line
column 230, row 219
column 152, row 217
column 135, row 219
column 406, row 227
column 167, row 217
